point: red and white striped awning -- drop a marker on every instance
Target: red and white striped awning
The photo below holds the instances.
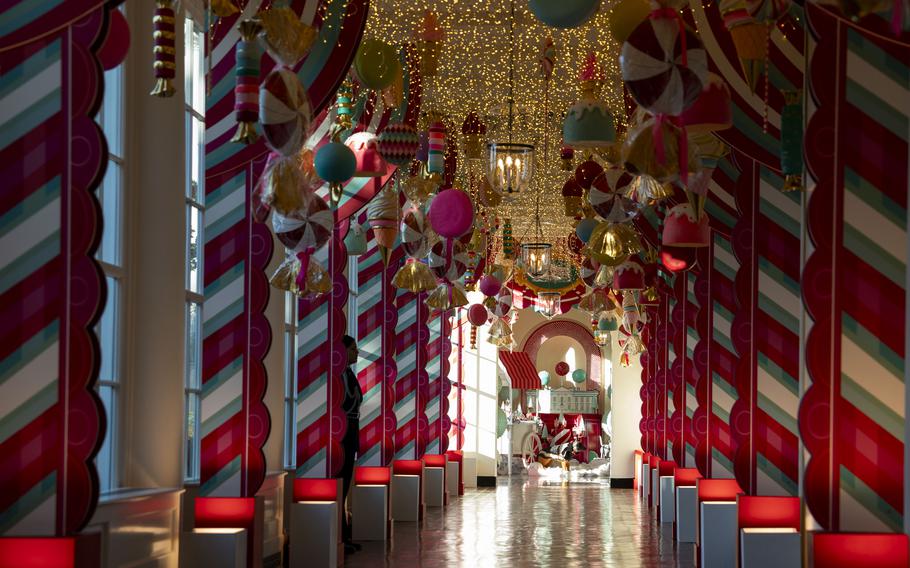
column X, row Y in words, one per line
column 522, row 372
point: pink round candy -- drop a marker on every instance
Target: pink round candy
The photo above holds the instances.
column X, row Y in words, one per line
column 451, row 213
column 489, row 285
column 477, row 314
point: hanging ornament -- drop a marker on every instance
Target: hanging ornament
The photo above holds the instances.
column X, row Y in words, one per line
column 301, row 276
column 584, row 229
column 310, row 227
column 474, row 337
column 612, row 243
column 663, row 64
column 430, row 36
column 414, row 232
column 489, row 285
column 376, row 64
column 587, row 172
column 501, row 304
column 572, row 197
column 508, row 245
column 684, row 227
column 629, row 275
column 500, row 332
column 546, row 58
column 607, row 196
column 589, row 123
column 625, row 16
column 165, row 49
column 335, row 163
column 604, row 276
column 712, row 110
column 355, row 242
column 448, row 265
column 588, row 271
column 366, row 152
column 246, row 89
column 566, row 156
column 284, row 111
column 750, row 39
column 415, row 277
column 224, row 8
column 595, row 301
column 791, row 141
column 418, row 189
column 658, row 149
column 382, row 215
column 447, row 296
column 393, row 95
column 286, row 37
column 344, row 106
column 630, row 319
column 564, row 14
column 437, row 148
column 473, row 133
column 647, row 191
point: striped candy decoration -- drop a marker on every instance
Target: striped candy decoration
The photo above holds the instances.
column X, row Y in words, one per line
column 165, row 49
column 236, row 255
column 853, row 417
column 52, row 290
column 246, row 89
column 410, row 373
column 437, row 148
column 690, row 373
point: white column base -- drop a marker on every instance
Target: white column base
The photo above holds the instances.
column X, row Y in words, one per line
column 645, row 483
column 686, row 497
column 204, row 548
column 406, row 498
column 667, row 500
column 313, row 535
column 452, row 479
column 369, row 512
column 717, row 534
column 655, row 489
column 469, row 468
column 777, row 547
column 434, row 487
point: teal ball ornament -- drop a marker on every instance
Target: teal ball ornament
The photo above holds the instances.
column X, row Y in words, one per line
column 579, row 375
column 502, row 421
column 585, row 228
column 563, row 13
column 544, row 378
column 335, row 163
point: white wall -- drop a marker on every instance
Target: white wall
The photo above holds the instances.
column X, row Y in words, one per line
column 626, row 414
column 554, row 351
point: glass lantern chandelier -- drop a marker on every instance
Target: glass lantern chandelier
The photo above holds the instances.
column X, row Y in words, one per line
column 511, row 165
column 549, row 303
column 601, row 337
column 535, row 258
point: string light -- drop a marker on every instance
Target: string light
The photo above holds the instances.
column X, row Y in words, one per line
column 473, row 77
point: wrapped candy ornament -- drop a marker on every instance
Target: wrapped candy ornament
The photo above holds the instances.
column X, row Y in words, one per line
column 588, row 271
column 165, row 49
column 501, row 304
column 595, row 302
column 607, row 196
column 308, row 228
column 447, row 296
column 658, row 149
column 382, row 216
column 414, row 230
column 284, row 111
column 246, row 89
column 302, row 276
column 448, row 265
column 285, row 35
column 630, row 319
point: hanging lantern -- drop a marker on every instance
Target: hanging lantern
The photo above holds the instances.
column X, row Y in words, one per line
column 535, row 258
column 572, row 197
column 549, row 303
column 511, row 166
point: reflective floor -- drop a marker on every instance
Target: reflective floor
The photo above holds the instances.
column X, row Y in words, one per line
column 532, row 524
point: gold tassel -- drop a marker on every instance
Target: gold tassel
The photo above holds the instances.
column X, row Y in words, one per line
column 246, row 133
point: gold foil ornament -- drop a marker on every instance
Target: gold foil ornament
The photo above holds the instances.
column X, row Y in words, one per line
column 284, row 185
column 642, row 154
column 447, row 296
column 418, row 189
column 317, row 279
column 286, row 37
column 224, row 8
column 414, row 276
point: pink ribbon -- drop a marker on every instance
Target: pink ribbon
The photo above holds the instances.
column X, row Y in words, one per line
column 304, row 258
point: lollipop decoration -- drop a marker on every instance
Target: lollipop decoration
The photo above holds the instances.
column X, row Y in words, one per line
column 165, row 49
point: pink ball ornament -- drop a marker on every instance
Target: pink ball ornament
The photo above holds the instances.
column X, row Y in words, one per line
column 477, row 314
column 489, row 285
column 452, row 213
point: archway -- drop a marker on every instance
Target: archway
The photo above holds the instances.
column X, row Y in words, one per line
column 576, row 331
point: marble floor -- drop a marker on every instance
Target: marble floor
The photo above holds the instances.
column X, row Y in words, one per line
column 534, row 524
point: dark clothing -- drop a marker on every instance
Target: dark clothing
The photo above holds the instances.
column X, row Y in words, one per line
column 353, row 397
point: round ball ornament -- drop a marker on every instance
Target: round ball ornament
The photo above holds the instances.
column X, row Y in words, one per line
column 414, row 231
column 452, row 213
column 284, row 112
column 661, row 76
column 587, row 172
column 376, row 64
column 565, row 13
column 335, row 163
column 544, row 378
column 307, row 228
column 562, row 369
column 398, row 144
column 625, row 16
column 500, row 304
column 607, row 196
column 489, row 285
column 477, row 314
column 579, row 376
column 450, row 269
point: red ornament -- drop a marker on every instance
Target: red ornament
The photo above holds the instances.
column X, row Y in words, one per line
column 587, row 172
column 562, row 368
column 683, row 228
column 678, row 259
column 477, row 314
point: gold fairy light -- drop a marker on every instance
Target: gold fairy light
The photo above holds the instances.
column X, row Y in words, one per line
column 473, row 77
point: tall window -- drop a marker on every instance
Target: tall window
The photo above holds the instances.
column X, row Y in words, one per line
column 290, row 381
column 194, row 89
column 110, row 257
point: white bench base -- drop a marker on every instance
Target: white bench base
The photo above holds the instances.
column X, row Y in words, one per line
column 667, row 499
column 370, row 512
column 406, row 498
column 777, row 547
column 204, row 548
column 452, row 479
column 314, row 535
column 686, row 498
column 717, row 534
column 434, row 487
column 645, row 483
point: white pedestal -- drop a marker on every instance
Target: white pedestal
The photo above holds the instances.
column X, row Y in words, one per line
column 406, row 498
column 667, row 499
column 655, row 489
column 717, row 534
column 313, row 535
column 434, row 487
column 204, row 548
column 686, row 497
column 452, row 479
column 370, row 512
column 469, row 468
column 645, row 483
column 777, row 547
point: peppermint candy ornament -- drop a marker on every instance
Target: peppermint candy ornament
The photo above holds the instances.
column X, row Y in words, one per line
column 664, row 64
column 415, row 232
column 500, row 304
column 284, row 112
column 607, row 196
column 588, row 272
column 309, row 227
column 448, row 269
